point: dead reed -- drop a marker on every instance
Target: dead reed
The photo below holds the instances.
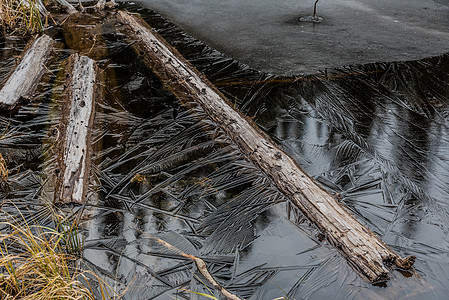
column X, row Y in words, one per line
column 42, row 263
column 37, row 263
column 22, row 16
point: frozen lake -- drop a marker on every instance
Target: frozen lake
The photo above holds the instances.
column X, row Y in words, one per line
column 267, row 35
column 375, row 135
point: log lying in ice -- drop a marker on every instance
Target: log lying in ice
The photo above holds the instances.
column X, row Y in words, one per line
column 362, row 248
column 69, row 8
column 82, row 88
column 23, row 81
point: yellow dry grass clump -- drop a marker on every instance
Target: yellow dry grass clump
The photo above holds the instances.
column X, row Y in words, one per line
column 21, row 16
column 40, row 263
column 3, row 169
column 35, row 264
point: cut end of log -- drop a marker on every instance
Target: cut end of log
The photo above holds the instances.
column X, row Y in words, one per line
column 380, row 278
column 399, row 262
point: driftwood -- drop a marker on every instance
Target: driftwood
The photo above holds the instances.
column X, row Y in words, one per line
column 362, row 248
column 23, row 81
column 82, row 88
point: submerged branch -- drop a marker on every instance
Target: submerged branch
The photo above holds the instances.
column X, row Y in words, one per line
column 200, row 264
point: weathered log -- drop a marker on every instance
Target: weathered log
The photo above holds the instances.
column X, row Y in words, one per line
column 362, row 248
column 82, row 88
column 23, row 81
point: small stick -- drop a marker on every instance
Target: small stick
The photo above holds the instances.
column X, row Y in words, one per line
column 200, row 264
column 314, row 9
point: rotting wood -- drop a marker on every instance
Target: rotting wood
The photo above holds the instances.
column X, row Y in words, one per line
column 362, row 248
column 100, row 4
column 82, row 88
column 23, row 81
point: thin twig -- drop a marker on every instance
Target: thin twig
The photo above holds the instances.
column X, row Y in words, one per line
column 200, row 264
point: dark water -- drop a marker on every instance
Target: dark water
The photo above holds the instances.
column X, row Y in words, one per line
column 375, row 133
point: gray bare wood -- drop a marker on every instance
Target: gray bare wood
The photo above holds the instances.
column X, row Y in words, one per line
column 362, row 248
column 81, row 92
column 23, row 81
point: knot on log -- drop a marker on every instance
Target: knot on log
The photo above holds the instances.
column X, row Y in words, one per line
column 405, row 263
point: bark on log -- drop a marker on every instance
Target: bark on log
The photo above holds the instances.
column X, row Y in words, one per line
column 23, row 81
column 362, row 248
column 82, row 88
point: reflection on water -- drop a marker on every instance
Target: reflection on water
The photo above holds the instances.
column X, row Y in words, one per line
column 375, row 134
column 383, row 152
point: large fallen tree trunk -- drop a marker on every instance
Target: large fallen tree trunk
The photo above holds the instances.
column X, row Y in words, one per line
column 23, row 81
column 363, row 249
column 82, row 88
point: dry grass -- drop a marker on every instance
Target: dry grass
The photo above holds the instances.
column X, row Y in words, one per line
column 21, row 16
column 41, row 263
column 3, row 169
column 38, row 263
column 3, row 175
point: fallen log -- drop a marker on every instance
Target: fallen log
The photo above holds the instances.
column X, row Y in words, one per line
column 82, row 88
column 362, row 248
column 23, row 81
